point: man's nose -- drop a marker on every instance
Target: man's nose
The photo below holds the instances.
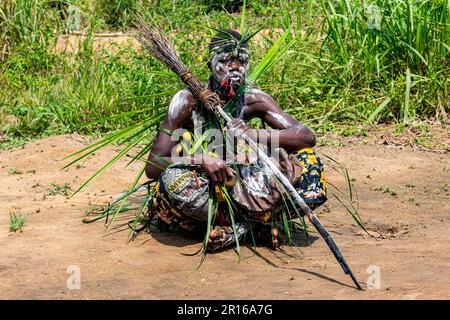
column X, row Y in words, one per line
column 234, row 65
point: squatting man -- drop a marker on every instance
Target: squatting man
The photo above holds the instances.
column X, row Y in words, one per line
column 186, row 181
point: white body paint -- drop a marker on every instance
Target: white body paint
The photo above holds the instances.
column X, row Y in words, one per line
column 255, row 184
column 279, row 119
column 255, row 91
column 244, row 70
column 178, row 101
column 221, row 71
column 218, row 69
column 299, row 130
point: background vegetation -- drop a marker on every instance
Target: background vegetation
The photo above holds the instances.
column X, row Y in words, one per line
column 355, row 63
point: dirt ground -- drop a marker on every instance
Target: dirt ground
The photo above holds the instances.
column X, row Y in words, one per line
column 113, row 42
column 403, row 194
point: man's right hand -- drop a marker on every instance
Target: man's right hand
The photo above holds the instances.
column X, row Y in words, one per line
column 217, row 169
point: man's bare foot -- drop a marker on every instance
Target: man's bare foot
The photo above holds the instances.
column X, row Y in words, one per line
column 268, row 235
column 219, row 233
column 275, row 238
column 223, row 236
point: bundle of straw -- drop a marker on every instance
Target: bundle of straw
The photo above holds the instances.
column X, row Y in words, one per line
column 153, row 39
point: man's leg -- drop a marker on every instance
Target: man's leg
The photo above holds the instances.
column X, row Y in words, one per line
column 182, row 200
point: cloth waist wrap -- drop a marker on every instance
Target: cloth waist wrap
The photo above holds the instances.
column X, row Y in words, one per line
column 182, row 192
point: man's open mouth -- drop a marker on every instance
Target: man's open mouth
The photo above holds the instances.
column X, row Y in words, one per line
column 230, row 83
column 235, row 78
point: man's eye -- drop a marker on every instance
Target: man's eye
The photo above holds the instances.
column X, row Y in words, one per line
column 243, row 58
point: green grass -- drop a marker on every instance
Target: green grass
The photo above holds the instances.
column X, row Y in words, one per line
column 14, row 171
column 16, row 223
column 344, row 70
column 58, row 189
column 405, row 55
column 386, row 189
column 118, row 14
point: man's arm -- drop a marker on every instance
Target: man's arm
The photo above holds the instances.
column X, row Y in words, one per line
column 291, row 133
column 178, row 114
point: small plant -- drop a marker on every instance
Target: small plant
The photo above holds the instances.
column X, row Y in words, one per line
column 16, row 223
column 14, row 171
column 326, row 142
column 386, row 189
column 56, row 189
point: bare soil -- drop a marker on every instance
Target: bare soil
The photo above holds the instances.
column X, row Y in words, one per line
column 112, row 42
column 403, row 194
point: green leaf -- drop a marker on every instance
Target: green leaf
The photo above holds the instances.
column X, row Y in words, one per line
column 274, row 54
column 212, row 204
column 123, row 202
column 243, row 16
column 379, row 109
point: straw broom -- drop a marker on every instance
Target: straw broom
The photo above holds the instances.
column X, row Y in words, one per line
column 153, row 39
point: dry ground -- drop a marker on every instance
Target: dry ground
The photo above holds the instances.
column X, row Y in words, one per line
column 403, row 198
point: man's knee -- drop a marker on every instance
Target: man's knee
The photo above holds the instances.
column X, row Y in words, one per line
column 187, row 190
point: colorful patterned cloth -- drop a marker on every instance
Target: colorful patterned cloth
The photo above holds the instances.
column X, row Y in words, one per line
column 312, row 185
column 181, row 193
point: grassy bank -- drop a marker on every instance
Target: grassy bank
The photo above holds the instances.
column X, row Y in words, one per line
column 354, row 63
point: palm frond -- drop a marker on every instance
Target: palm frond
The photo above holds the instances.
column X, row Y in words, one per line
column 243, row 15
column 124, row 200
column 275, row 53
column 130, row 142
column 212, row 206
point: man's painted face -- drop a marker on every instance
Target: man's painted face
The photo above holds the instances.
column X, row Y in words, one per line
column 226, row 66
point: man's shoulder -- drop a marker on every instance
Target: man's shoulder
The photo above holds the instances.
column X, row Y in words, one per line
column 255, row 95
column 184, row 96
column 182, row 104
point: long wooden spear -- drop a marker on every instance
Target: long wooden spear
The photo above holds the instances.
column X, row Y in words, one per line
column 153, row 39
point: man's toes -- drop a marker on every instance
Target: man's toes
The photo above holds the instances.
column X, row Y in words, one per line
column 213, row 234
column 216, row 234
column 275, row 243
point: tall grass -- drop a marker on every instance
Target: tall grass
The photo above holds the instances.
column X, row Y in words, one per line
column 399, row 47
column 26, row 25
column 118, row 13
column 346, row 67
